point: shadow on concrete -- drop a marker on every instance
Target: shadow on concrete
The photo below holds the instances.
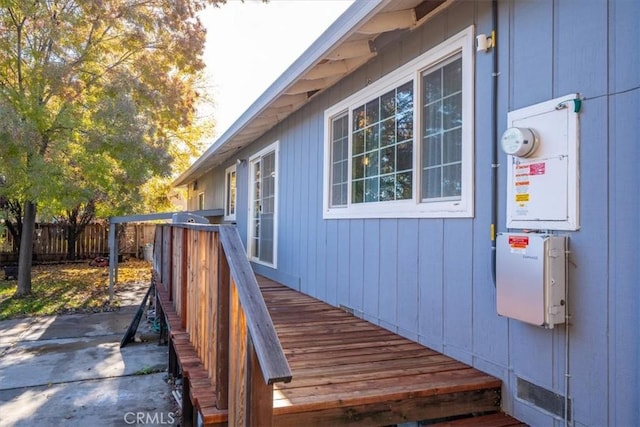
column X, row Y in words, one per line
column 69, row 370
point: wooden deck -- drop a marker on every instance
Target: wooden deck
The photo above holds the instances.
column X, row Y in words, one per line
column 347, row 371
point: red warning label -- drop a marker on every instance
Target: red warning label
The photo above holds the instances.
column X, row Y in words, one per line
column 536, row 169
column 518, row 242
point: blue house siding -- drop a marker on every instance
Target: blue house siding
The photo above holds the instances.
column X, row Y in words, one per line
column 624, row 271
column 430, row 279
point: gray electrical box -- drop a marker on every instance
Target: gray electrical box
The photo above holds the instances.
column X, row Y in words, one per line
column 531, row 277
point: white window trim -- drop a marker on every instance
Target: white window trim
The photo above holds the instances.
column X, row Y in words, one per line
column 462, row 43
column 276, row 148
column 227, row 172
column 199, row 205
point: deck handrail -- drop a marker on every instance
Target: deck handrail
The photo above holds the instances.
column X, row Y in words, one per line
column 210, row 282
column 273, row 361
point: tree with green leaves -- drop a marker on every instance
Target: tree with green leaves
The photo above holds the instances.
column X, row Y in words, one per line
column 96, row 97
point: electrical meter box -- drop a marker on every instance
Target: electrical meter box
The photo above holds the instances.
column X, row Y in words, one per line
column 541, row 144
column 531, row 271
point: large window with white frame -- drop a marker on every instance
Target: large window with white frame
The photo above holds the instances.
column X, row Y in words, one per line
column 230, row 193
column 403, row 146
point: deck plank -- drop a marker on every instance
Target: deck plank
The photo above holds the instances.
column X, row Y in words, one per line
column 347, row 371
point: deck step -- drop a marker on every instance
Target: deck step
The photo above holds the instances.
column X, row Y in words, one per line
column 497, row 419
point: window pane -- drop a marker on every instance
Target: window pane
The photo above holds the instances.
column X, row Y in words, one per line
column 357, row 193
column 403, row 185
column 452, row 76
column 405, row 98
column 371, row 190
column 357, row 169
column 336, row 150
column 452, row 112
column 336, row 195
column 388, row 105
column 388, row 132
column 336, row 173
column 432, row 87
column 405, row 156
column 432, row 118
column 372, row 138
column 371, row 164
column 452, row 146
column 405, row 126
column 431, row 151
column 388, row 160
column 451, row 180
column 358, row 142
column 431, row 183
column 387, row 188
column 358, row 118
column 372, row 110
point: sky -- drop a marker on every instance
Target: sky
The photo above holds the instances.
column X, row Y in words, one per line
column 251, row 43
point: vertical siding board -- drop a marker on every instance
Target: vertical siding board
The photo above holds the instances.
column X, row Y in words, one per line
column 314, row 199
column 624, row 276
column 431, row 319
column 388, row 272
column 387, row 62
column 357, row 264
column 343, row 250
column 433, row 33
column 303, row 176
column 458, row 17
column 531, row 65
column 581, row 48
column 371, row 276
column 331, row 262
column 624, row 33
column 589, row 271
column 458, row 262
column 295, row 244
column 531, row 353
column 286, row 202
column 407, row 282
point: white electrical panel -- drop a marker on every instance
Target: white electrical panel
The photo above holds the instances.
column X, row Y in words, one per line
column 531, row 277
column 542, row 143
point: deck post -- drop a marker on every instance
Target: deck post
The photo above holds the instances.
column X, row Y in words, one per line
column 260, row 394
column 222, row 332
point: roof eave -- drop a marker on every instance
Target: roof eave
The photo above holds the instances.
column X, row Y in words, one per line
column 335, row 33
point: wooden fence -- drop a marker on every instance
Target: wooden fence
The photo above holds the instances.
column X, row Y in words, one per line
column 50, row 243
column 214, row 291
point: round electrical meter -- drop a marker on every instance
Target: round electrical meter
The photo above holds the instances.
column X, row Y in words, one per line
column 519, row 142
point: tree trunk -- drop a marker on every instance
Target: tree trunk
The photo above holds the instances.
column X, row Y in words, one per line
column 26, row 250
column 72, row 237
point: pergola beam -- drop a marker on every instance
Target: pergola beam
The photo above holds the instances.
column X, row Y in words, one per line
column 113, row 244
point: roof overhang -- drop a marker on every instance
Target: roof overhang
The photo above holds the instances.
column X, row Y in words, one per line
column 350, row 42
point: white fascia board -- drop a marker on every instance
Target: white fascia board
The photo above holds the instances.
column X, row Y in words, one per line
column 359, row 12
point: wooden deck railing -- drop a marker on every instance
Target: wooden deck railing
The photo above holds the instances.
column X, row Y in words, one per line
column 205, row 270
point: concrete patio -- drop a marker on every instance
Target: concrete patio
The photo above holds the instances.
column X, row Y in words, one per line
column 70, row 370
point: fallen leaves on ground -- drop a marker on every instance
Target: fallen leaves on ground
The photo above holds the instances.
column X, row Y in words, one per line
column 70, row 288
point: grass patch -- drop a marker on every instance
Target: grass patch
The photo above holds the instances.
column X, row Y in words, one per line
column 68, row 288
